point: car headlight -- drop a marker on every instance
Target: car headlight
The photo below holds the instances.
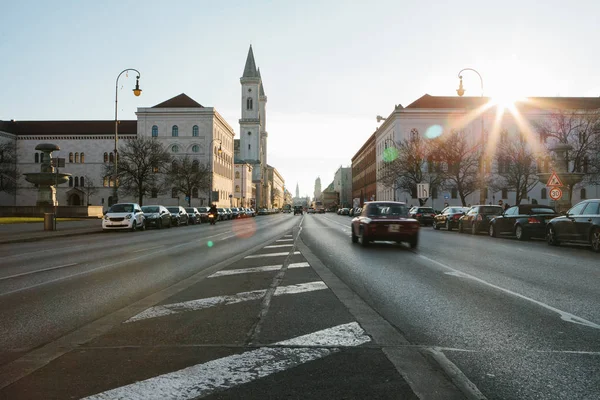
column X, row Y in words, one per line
column 106, row 217
column 128, row 216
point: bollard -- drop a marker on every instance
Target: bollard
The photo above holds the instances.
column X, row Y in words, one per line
column 48, row 221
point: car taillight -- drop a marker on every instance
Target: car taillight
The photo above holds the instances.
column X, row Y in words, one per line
column 532, row 220
column 479, row 217
column 419, row 215
column 456, row 216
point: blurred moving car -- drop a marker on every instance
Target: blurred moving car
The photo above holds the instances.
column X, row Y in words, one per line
column 423, row 214
column 124, row 216
column 311, row 211
column 193, row 215
column 178, row 215
column 298, row 210
column 581, row 224
column 523, row 221
column 448, row 218
column 478, row 218
column 385, row 220
column 157, row 216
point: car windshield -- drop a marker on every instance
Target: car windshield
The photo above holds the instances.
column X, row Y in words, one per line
column 396, row 210
column 190, row 210
column 173, row 209
column 457, row 210
column 542, row 210
column 490, row 210
column 203, row 209
column 121, row 208
column 150, row 209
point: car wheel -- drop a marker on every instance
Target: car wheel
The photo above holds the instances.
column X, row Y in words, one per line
column 143, row 228
column 187, row 222
column 159, row 224
column 435, row 226
column 473, row 229
column 460, row 227
column 354, row 237
column 492, row 231
column 364, row 240
column 133, row 226
column 448, row 227
column 551, row 237
column 519, row 233
column 414, row 242
column 595, row 240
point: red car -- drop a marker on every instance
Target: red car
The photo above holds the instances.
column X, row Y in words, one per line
column 386, row 221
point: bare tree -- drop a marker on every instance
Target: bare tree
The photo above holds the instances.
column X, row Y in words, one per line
column 142, row 166
column 187, row 175
column 8, row 167
column 89, row 188
column 581, row 130
column 516, row 166
column 461, row 163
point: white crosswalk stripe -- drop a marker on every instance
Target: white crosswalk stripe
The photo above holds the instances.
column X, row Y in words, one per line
column 270, row 255
column 238, row 369
column 266, row 268
column 285, row 240
column 201, row 304
column 275, row 246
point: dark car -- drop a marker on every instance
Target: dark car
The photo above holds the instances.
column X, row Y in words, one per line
column 385, row 220
column 203, row 213
column 235, row 212
column 423, row 214
column 478, row 218
column 523, row 221
column 178, row 215
column 448, row 217
column 298, row 210
column 581, row 224
column 157, row 216
column 194, row 215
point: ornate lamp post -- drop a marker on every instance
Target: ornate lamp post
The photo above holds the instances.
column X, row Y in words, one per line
column 136, row 91
column 212, row 169
column 461, row 91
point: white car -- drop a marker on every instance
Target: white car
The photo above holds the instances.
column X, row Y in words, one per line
column 124, row 216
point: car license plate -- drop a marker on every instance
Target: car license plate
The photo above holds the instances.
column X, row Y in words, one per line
column 394, row 228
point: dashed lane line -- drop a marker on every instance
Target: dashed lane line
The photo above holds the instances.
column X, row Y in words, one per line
column 275, row 246
column 201, row 304
column 238, row 369
column 37, row 270
column 285, row 240
column 265, row 268
column 270, row 255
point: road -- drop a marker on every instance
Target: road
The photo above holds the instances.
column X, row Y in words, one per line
column 518, row 320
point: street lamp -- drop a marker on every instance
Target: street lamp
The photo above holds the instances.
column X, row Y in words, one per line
column 212, row 168
column 461, row 91
column 136, row 91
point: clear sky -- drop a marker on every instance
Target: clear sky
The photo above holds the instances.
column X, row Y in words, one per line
column 328, row 67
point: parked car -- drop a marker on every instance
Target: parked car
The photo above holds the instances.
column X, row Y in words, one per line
column 385, row 220
column 157, row 216
column 250, row 212
column 523, row 221
column 448, row 218
column 222, row 214
column 311, row 211
column 423, row 214
column 478, row 218
column 203, row 213
column 235, row 212
column 229, row 213
column 242, row 212
column 178, row 215
column 581, row 224
column 124, row 216
column 194, row 215
column 263, row 211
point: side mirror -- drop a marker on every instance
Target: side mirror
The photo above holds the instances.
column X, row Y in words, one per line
column 103, row 212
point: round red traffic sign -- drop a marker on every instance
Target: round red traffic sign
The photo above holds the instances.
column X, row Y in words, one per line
column 555, row 193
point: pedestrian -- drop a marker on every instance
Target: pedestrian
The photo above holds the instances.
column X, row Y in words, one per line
column 500, row 203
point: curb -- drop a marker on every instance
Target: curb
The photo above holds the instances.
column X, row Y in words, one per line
column 53, row 236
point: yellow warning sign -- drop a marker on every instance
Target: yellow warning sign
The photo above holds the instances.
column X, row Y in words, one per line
column 554, row 181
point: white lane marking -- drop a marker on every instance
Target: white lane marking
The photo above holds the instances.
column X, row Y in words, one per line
column 275, row 246
column 270, row 255
column 285, row 240
column 228, row 237
column 147, row 248
column 565, row 316
column 227, row 372
column 36, row 271
column 201, row 304
column 266, row 268
column 335, row 222
column 288, row 236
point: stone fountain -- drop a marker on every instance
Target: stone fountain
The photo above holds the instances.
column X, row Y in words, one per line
column 568, row 179
column 47, row 178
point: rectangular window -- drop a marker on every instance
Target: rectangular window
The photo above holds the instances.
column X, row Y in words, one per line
column 454, row 193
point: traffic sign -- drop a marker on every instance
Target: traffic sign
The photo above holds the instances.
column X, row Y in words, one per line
column 555, row 193
column 422, row 191
column 554, row 181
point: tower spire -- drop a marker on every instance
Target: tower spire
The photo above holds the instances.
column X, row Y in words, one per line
column 250, row 68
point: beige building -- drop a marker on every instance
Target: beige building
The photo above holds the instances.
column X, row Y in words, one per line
column 242, row 193
column 276, row 186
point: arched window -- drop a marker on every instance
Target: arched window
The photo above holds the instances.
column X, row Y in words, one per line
column 174, row 193
column 37, row 157
column 82, row 158
column 237, row 188
column 154, row 193
column 414, row 134
column 70, row 157
column 195, row 193
column 105, row 157
column 110, row 202
column 154, row 131
column 82, row 181
column 70, row 181
column 42, row 158
column 195, row 131
column 76, row 157
column 175, row 131
column 195, row 148
column 544, row 194
column 111, row 157
column 105, row 181
column 248, row 146
column 583, row 194
column 249, row 103
column 111, row 182
column 195, row 165
column 237, row 174
column 76, row 181
column 175, row 148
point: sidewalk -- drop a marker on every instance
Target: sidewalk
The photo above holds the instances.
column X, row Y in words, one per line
column 28, row 232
